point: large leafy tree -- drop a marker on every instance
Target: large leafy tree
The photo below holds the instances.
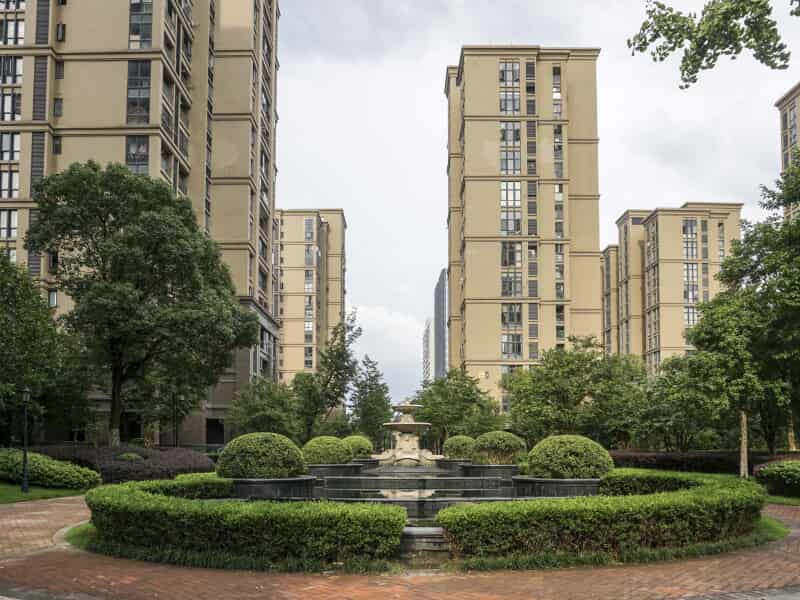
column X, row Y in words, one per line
column 149, row 287
column 723, row 28
column 265, row 405
column 454, row 405
column 370, row 401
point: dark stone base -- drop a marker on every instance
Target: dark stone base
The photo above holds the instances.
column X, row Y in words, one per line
column 452, row 464
column 502, row 471
column 275, row 489
column 345, row 470
column 367, row 463
column 539, row 487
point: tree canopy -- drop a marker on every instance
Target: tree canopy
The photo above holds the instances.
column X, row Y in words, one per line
column 370, row 402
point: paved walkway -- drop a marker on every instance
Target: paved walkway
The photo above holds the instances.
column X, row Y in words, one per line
column 27, row 572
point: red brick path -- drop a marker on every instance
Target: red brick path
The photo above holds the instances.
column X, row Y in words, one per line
column 68, row 571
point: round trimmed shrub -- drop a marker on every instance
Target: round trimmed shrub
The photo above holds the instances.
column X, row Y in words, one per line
column 45, row 471
column 498, row 448
column 459, row 446
column 360, row 446
column 327, row 450
column 569, row 457
column 130, row 456
column 780, row 478
column 261, row 456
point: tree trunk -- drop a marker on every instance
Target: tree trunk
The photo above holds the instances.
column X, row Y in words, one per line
column 744, row 470
column 791, row 439
column 116, row 407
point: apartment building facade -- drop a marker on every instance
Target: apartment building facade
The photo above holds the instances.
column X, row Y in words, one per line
column 789, row 110
column 678, row 252
column 312, row 285
column 155, row 85
column 523, row 222
column 440, row 326
column 426, row 352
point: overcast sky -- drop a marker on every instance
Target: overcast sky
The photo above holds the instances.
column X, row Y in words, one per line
column 363, row 127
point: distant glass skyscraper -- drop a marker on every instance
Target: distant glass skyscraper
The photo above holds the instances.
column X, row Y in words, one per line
column 440, row 326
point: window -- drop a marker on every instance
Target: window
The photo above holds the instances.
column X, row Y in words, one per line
column 510, row 207
column 58, row 107
column 689, row 231
column 138, row 91
column 9, row 182
column 57, row 144
column 511, row 254
column 531, row 129
column 12, row 31
column 556, row 109
column 721, row 240
column 530, row 71
column 509, row 103
column 61, row 32
column 309, row 256
column 11, row 69
column 690, row 282
column 137, row 155
column 509, row 74
column 533, row 350
column 511, row 315
column 533, row 227
column 9, row 146
column 509, row 133
column 308, row 357
column 308, row 281
column 140, row 32
column 308, row 229
column 511, row 345
column 11, row 106
column 531, row 166
column 530, row 106
column 59, row 69
column 531, row 147
column 559, row 252
column 533, row 312
column 559, row 271
column 8, row 224
column 689, row 316
column 510, row 284
column 559, row 229
column 308, row 331
column 308, row 307
column 560, row 290
column 12, row 4
column 533, row 251
column 533, row 288
column 556, row 81
column 52, row 298
column 510, row 162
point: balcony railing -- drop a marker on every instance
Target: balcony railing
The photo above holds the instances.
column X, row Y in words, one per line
column 183, row 142
column 167, row 121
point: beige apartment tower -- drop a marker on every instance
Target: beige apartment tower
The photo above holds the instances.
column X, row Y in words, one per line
column 668, row 259
column 789, row 109
column 179, row 89
column 522, row 206
column 312, row 285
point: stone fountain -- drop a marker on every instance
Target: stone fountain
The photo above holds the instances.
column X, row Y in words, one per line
column 405, row 432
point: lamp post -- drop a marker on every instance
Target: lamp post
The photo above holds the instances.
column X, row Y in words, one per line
column 26, row 398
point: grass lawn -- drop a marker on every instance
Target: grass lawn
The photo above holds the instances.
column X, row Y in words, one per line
column 783, row 500
column 10, row 492
column 81, row 535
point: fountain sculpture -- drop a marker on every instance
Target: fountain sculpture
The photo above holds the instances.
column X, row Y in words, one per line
column 405, row 431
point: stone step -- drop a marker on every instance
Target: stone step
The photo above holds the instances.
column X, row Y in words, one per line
column 407, row 494
column 413, row 483
column 424, row 543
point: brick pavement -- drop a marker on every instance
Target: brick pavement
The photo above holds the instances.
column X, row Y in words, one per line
column 69, row 573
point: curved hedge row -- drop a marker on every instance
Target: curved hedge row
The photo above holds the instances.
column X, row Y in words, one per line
column 45, row 471
column 681, row 509
column 780, row 478
column 169, row 521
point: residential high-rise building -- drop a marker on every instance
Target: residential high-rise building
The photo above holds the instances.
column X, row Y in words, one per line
column 679, row 252
column 312, row 285
column 426, row 352
column 440, row 326
column 523, row 268
column 158, row 86
column 789, row 109
column 608, row 269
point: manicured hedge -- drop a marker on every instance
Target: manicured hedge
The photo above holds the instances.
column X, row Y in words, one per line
column 459, row 446
column 696, row 462
column 702, row 508
column 45, row 471
column 169, row 521
column 568, row 457
column 114, row 468
column 780, row 478
column 327, row 450
column 498, row 448
column 260, row 456
column 359, row 445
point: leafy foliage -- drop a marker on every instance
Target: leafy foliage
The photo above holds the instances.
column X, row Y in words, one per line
column 260, row 456
column 45, row 471
column 781, row 478
column 172, row 517
column 459, row 446
column 360, row 446
column 569, row 457
column 264, row 405
column 498, row 448
column 327, row 450
column 370, row 401
column 700, row 462
column 724, row 28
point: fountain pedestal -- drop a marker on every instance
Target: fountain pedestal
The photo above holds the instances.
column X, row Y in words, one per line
column 405, row 431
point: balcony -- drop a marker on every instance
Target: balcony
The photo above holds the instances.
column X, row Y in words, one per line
column 167, row 121
column 183, row 142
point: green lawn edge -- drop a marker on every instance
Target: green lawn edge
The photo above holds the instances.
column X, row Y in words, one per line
column 784, row 500
column 11, row 493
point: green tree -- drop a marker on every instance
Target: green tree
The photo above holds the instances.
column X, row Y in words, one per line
column 311, row 404
column 723, row 28
column 265, row 405
column 456, row 405
column 371, row 403
column 685, row 399
column 149, row 287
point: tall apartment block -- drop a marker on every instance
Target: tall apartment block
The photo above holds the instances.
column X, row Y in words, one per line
column 522, row 206
column 667, row 261
column 609, row 273
column 426, row 352
column 312, row 285
column 155, row 85
column 440, row 326
column 789, row 108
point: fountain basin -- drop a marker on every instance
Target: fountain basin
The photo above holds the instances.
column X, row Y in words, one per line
column 540, row 487
column 289, row 488
column 408, row 427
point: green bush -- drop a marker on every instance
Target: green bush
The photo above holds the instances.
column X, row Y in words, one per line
column 45, row 471
column 780, row 478
column 130, row 456
column 360, row 446
column 498, row 448
column 260, row 456
column 171, row 516
column 569, row 457
column 327, row 450
column 459, row 446
column 701, row 509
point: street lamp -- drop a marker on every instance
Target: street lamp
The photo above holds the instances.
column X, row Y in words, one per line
column 26, row 399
